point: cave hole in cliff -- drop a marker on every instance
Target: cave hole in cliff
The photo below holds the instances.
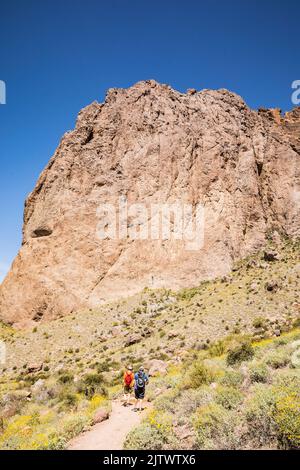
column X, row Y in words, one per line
column 89, row 137
column 41, row 232
column 38, row 316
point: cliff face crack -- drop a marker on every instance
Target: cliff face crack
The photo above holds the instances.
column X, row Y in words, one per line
column 259, row 167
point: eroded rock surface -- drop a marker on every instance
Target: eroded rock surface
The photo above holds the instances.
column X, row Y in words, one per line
column 153, row 144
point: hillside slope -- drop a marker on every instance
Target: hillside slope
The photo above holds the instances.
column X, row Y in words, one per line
column 59, row 373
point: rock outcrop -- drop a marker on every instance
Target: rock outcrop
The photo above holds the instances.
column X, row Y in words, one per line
column 151, row 144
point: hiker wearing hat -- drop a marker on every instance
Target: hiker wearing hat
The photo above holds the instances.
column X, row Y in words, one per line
column 128, row 381
column 140, row 382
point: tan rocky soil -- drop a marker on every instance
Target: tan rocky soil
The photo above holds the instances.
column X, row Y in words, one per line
column 152, row 144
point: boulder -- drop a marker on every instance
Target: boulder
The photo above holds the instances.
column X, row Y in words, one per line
column 101, row 415
column 272, row 286
column 157, row 367
column 37, row 386
column 12, row 402
column 172, row 334
column 39, row 391
column 133, row 339
column 253, row 287
column 35, row 367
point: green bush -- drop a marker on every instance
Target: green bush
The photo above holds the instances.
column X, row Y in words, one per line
column 166, row 402
column 287, row 418
column 287, row 380
column 215, row 428
column 68, row 398
column 258, row 413
column 65, row 378
column 189, row 400
column 103, row 367
column 74, row 425
column 232, row 378
column 278, row 359
column 259, row 372
column 217, row 349
column 187, row 294
column 243, row 352
column 93, row 379
column 92, row 384
column 259, row 322
column 228, row 397
column 155, row 433
column 198, row 374
column 296, row 323
column 144, row 437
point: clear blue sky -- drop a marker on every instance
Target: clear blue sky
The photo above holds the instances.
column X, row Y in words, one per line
column 58, row 56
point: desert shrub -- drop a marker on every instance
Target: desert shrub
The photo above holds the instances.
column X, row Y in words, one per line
column 259, row 372
column 243, row 352
column 215, row 428
column 13, row 434
column 24, row 434
column 198, row 374
column 188, row 401
column 65, row 378
column 144, row 437
column 68, row 398
column 187, row 294
column 103, row 367
column 44, row 441
column 287, row 418
column 232, row 378
column 155, row 433
column 93, row 379
column 287, row 380
column 74, row 425
column 228, row 397
column 281, row 342
column 258, row 413
column 92, row 384
column 259, row 322
column 296, row 323
column 97, row 401
column 278, row 359
column 217, row 349
column 166, row 402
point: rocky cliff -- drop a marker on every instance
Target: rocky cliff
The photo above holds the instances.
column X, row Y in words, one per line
column 151, row 144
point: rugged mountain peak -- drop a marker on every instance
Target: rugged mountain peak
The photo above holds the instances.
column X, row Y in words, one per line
column 150, row 144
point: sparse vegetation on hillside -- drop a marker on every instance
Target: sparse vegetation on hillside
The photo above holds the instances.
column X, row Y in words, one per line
column 213, row 404
column 224, row 344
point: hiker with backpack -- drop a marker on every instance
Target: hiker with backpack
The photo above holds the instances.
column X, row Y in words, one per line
column 128, row 381
column 140, row 381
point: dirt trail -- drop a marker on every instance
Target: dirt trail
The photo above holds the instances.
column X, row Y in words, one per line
column 110, row 434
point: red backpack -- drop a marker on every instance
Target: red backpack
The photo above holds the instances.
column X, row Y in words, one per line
column 128, row 378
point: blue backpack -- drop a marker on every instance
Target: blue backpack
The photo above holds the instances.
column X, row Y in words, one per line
column 140, row 383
